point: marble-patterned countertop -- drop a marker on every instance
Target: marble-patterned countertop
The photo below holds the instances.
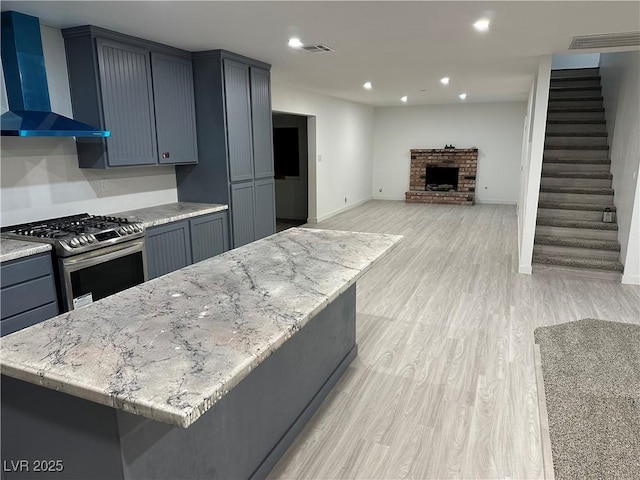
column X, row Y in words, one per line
column 172, row 347
column 171, row 212
column 12, row 249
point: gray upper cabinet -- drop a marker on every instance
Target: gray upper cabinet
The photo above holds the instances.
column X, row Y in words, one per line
column 235, row 143
column 238, row 109
column 127, row 102
column 139, row 90
column 175, row 109
column 261, row 123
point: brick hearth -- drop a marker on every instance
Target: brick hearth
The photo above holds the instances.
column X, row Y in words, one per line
column 465, row 159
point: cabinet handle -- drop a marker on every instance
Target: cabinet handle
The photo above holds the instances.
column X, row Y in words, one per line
column 165, row 155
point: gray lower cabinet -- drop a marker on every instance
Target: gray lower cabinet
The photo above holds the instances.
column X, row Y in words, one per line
column 168, row 248
column 264, row 219
column 141, row 91
column 175, row 245
column 243, row 208
column 28, row 293
column 209, row 236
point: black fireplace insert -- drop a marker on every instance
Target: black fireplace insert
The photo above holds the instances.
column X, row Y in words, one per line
column 441, row 179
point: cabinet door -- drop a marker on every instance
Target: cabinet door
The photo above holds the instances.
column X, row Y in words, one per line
column 175, row 109
column 127, row 103
column 238, row 110
column 209, row 236
column 242, row 213
column 265, row 216
column 261, row 123
column 168, row 248
column 28, row 293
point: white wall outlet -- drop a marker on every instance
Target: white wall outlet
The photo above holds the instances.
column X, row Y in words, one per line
column 380, row 190
column 104, row 185
column 345, row 199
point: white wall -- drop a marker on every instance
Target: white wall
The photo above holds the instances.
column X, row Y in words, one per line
column 620, row 73
column 340, row 147
column 41, row 178
column 494, row 128
column 532, row 167
column 578, row 60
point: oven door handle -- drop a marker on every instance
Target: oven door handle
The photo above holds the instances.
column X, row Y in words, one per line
column 73, row 264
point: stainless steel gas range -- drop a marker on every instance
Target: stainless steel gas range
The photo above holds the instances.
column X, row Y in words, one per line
column 95, row 256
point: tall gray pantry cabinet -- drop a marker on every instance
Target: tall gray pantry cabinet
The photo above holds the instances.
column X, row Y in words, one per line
column 235, row 143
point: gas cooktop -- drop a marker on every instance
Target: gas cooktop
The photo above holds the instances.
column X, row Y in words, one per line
column 77, row 233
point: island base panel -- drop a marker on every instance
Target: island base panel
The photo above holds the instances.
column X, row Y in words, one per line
column 241, row 436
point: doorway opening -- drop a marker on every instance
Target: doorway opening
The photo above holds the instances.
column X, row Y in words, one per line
column 290, row 158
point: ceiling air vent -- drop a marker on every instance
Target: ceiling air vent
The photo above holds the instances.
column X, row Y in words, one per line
column 317, row 48
column 605, row 40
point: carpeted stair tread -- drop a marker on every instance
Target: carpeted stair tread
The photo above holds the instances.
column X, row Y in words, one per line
column 576, row 134
column 592, row 207
column 575, row 122
column 576, row 99
column 576, row 147
column 586, row 191
column 575, row 109
column 561, row 241
column 578, row 262
column 569, row 89
column 569, row 223
column 589, row 175
column 577, row 160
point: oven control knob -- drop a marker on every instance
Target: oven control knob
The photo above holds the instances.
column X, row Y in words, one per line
column 137, row 228
column 74, row 243
column 130, row 229
column 91, row 238
column 122, row 231
column 82, row 240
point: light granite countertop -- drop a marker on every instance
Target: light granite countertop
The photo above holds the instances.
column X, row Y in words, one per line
column 171, row 212
column 14, row 249
column 172, row 347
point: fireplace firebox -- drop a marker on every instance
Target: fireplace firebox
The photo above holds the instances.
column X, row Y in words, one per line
column 438, row 179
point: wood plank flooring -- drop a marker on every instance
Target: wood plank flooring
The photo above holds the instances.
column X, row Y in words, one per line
column 444, row 385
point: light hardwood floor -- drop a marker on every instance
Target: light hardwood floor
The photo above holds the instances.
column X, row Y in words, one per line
column 444, row 384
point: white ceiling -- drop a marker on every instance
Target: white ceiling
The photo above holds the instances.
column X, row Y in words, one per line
column 402, row 47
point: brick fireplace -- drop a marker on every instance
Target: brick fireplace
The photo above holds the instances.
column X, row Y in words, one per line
column 442, row 176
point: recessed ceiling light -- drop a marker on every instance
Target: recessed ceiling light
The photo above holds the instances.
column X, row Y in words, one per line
column 444, row 80
column 295, row 43
column 481, row 25
column 462, row 96
column 367, row 85
column 404, row 99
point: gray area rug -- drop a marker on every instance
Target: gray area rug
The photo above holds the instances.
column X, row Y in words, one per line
column 591, row 371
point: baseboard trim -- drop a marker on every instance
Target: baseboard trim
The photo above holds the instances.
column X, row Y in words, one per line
column 287, row 439
column 495, row 202
column 630, row 279
column 525, row 269
column 322, row 218
column 387, row 197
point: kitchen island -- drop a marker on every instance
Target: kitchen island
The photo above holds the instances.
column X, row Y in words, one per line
column 207, row 372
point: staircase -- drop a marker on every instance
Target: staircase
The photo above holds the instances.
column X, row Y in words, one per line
column 575, row 186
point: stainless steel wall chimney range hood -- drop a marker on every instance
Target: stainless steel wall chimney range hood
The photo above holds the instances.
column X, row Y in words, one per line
column 25, row 78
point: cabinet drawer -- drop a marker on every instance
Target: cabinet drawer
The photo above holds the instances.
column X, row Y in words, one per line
column 26, row 319
column 25, row 269
column 26, row 296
